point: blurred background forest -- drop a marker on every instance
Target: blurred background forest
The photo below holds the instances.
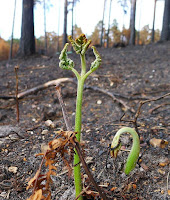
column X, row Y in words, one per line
column 108, row 32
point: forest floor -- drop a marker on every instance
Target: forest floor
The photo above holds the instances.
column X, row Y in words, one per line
column 132, row 74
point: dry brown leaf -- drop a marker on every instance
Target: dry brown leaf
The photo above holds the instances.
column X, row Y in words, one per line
column 36, row 196
column 54, row 144
column 158, row 142
column 163, row 164
column 168, row 192
column 113, row 188
column 32, row 180
column 161, row 171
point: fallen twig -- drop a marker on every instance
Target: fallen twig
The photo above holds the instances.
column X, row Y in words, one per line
column 111, row 95
column 134, row 121
column 58, row 82
column 157, row 107
column 65, row 115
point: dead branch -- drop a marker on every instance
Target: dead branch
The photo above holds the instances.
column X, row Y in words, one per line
column 157, row 107
column 56, row 82
column 59, row 81
column 65, row 115
column 17, row 102
column 110, row 95
column 134, row 121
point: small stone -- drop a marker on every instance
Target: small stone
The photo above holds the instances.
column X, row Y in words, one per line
column 162, row 191
column 99, row 102
column 13, row 169
column 44, row 132
column 49, row 123
column 93, row 169
column 33, row 119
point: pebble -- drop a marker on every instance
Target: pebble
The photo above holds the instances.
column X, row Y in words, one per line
column 49, row 123
column 13, row 169
column 44, row 132
column 99, row 102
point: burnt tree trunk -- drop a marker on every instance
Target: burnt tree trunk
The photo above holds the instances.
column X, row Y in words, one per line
column 132, row 22
column 153, row 27
column 11, row 44
column 65, row 23
column 45, row 33
column 165, row 35
column 108, row 31
column 101, row 37
column 27, row 41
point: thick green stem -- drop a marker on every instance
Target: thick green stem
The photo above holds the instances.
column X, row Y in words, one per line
column 78, row 122
column 83, row 65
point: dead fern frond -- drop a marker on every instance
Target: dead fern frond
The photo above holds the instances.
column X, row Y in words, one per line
column 60, row 146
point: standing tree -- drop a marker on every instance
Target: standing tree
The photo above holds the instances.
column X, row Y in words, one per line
column 72, row 28
column 95, row 37
column 27, row 41
column 116, row 34
column 132, row 22
column 101, row 37
column 11, row 44
column 65, row 23
column 108, row 31
column 153, row 26
column 165, row 35
column 72, row 10
column 45, row 33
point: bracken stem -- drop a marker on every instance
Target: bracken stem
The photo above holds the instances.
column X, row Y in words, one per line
column 135, row 150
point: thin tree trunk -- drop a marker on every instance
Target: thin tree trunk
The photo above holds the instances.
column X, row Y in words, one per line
column 65, row 23
column 11, row 44
column 132, row 22
column 72, row 28
column 58, row 41
column 165, row 35
column 101, row 37
column 138, row 34
column 109, row 24
column 153, row 27
column 45, row 33
column 27, row 41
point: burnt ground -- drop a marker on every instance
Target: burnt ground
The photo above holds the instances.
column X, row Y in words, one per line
column 132, row 74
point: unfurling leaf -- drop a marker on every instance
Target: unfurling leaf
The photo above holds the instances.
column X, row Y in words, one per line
column 65, row 62
column 95, row 65
column 81, row 44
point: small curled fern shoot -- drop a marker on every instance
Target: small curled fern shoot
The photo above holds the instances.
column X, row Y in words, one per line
column 135, row 150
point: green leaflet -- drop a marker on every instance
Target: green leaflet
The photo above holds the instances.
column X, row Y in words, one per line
column 135, row 150
column 65, row 62
column 95, row 65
